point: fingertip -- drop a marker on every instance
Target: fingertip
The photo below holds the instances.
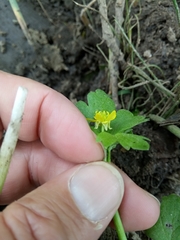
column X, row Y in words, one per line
column 96, row 152
column 139, row 209
column 88, row 149
column 154, row 209
column 71, row 138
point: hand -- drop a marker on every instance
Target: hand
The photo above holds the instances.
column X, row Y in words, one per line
column 56, row 189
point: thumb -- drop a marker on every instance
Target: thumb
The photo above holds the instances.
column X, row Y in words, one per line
column 78, row 204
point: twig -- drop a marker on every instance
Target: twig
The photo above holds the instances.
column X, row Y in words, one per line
column 172, row 128
column 133, row 86
column 20, row 20
column 11, row 136
column 114, row 75
column 45, row 12
column 107, row 33
column 119, row 10
column 83, row 17
column 116, row 56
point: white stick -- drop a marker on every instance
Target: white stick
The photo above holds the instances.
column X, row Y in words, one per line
column 11, row 136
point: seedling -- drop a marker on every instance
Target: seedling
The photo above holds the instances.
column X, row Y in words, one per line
column 111, row 128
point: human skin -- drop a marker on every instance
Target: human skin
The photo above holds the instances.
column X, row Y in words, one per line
column 56, row 157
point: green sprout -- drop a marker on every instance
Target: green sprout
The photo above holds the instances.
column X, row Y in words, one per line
column 112, row 128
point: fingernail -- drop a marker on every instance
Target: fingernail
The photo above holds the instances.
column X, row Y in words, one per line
column 97, row 190
column 157, row 200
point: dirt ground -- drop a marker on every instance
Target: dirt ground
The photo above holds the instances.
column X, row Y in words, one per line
column 64, row 56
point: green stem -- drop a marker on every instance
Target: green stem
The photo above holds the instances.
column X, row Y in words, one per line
column 172, row 128
column 177, row 10
column 119, row 227
column 117, row 220
column 109, row 155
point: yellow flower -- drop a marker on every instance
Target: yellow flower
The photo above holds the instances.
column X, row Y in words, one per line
column 103, row 118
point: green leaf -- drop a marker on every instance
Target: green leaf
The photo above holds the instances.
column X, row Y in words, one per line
column 84, row 109
column 126, row 140
column 125, row 120
column 122, row 125
column 97, row 101
column 106, row 139
column 132, row 141
column 100, row 101
column 168, row 224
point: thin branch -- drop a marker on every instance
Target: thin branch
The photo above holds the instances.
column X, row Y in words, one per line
column 172, row 128
column 83, row 16
column 116, row 56
column 108, row 35
column 20, row 19
column 114, row 75
column 119, row 11
column 45, row 12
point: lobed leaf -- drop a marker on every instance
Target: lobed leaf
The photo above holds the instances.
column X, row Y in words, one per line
column 126, row 140
column 84, row 109
column 100, row 101
column 168, row 224
column 133, row 141
column 125, row 120
column 97, row 101
column 106, row 139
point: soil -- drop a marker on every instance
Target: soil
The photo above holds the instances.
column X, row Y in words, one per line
column 64, row 56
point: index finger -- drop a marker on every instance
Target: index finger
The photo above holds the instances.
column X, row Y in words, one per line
column 51, row 117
